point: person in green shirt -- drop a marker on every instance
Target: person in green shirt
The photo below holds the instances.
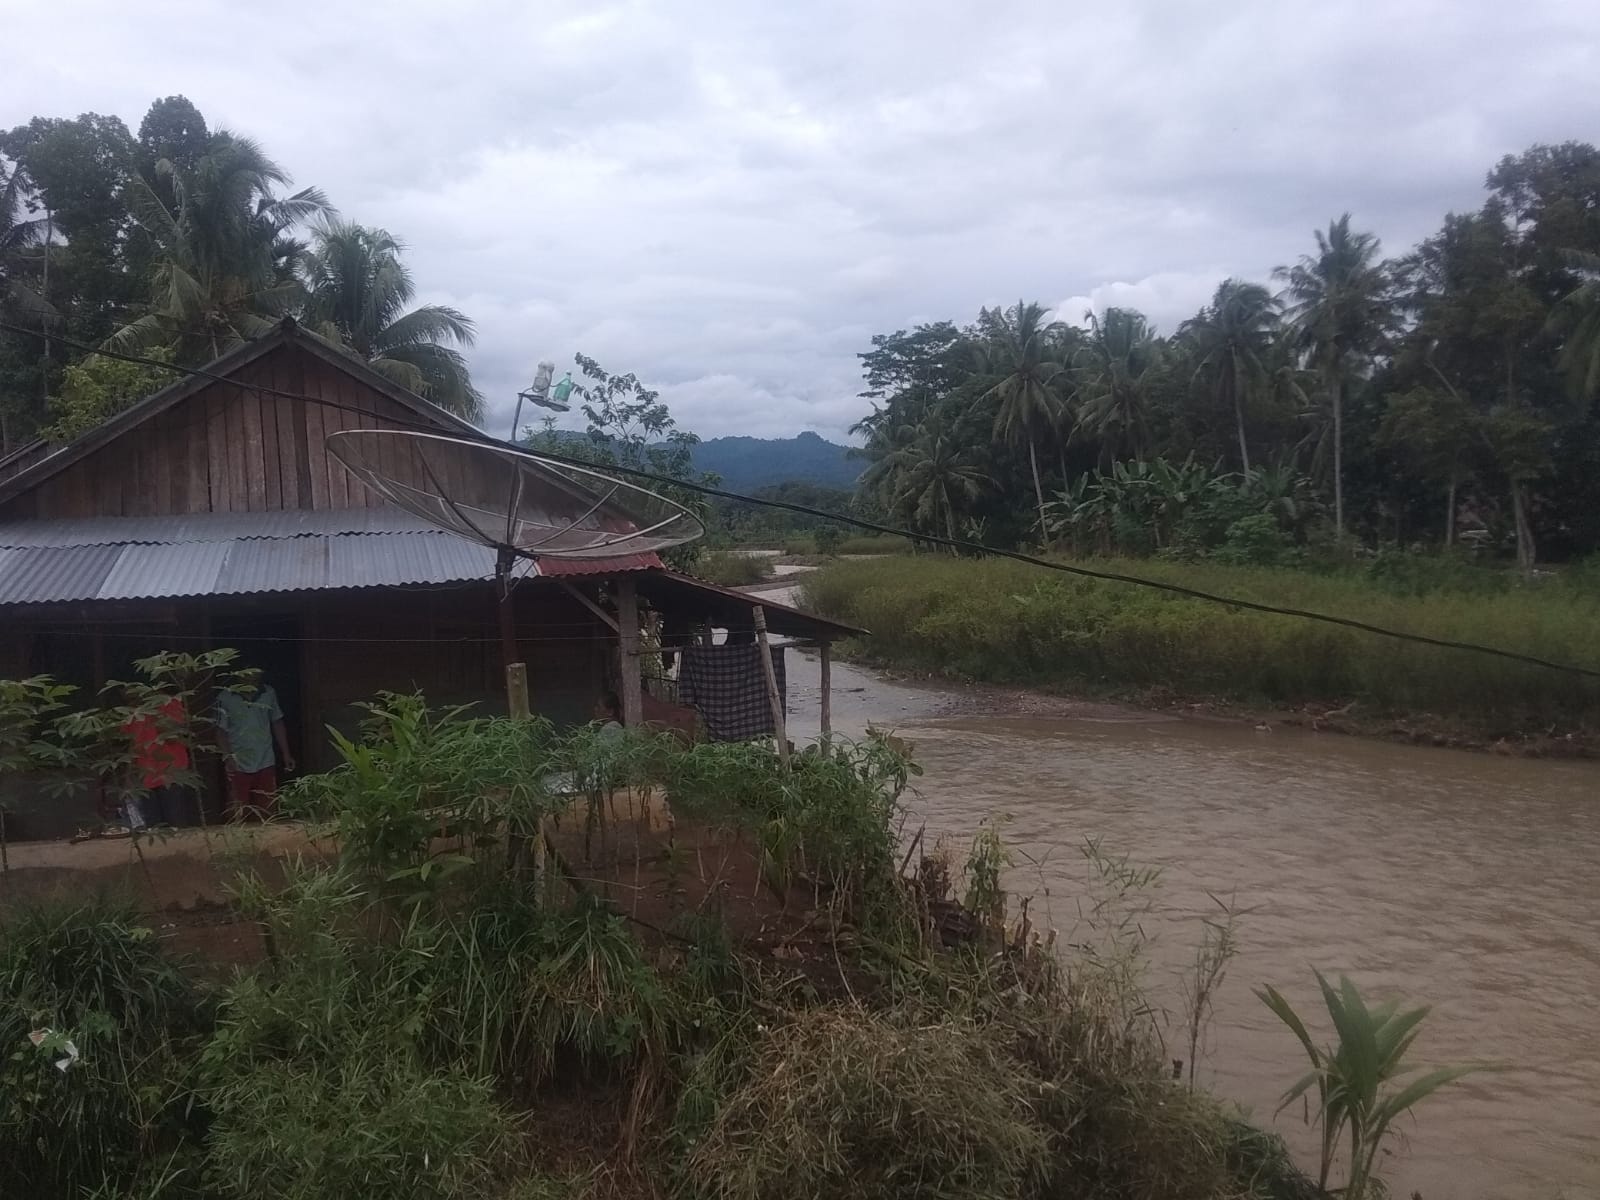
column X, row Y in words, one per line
column 250, row 728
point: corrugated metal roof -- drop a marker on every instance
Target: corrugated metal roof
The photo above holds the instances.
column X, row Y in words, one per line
column 206, row 527
column 148, row 558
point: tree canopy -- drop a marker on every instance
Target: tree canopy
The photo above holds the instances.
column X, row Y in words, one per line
column 1449, row 394
column 181, row 243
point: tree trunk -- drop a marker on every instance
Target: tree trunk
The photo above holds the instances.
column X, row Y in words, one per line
column 1238, row 414
column 1519, row 511
column 1038, row 492
column 1244, row 448
column 1338, row 454
column 1450, row 513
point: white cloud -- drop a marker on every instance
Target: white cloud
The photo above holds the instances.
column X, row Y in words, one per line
column 730, row 199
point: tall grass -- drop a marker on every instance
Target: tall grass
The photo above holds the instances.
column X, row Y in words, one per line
column 730, row 568
column 89, row 977
column 1008, row 622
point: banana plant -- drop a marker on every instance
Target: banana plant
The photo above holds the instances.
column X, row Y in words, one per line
column 1357, row 1080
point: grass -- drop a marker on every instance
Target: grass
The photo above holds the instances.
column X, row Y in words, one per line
column 1007, row 622
column 89, row 977
column 730, row 568
column 806, row 545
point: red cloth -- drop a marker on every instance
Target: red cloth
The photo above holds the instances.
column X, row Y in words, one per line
column 253, row 792
column 157, row 756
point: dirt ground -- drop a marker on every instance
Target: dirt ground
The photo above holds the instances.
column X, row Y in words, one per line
column 181, row 880
column 656, row 869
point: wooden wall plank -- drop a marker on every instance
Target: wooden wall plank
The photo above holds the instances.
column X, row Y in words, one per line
column 172, row 467
column 252, row 450
column 314, row 420
column 217, row 449
column 233, row 422
column 270, row 452
column 195, row 424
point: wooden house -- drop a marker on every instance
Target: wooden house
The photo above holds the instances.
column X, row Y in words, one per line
column 210, row 514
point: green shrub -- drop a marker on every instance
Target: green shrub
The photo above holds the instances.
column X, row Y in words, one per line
column 1255, row 541
column 91, row 973
column 316, row 1073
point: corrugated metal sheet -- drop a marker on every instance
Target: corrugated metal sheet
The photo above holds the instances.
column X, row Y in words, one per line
column 561, row 568
column 149, row 558
column 37, row 575
column 142, row 571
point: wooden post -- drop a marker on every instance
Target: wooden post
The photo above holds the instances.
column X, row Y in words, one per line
column 825, row 654
column 772, row 684
column 517, row 691
column 628, row 666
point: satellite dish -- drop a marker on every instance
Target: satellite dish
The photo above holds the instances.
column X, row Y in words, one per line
column 513, row 501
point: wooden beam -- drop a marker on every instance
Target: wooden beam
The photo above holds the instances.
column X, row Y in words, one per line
column 765, row 651
column 590, row 605
column 628, row 667
column 825, row 654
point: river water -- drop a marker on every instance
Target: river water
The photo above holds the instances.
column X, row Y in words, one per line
column 1465, row 881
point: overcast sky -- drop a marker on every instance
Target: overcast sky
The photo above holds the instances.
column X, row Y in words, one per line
column 731, row 198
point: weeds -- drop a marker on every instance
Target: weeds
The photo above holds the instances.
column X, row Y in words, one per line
column 1010, row 623
column 730, row 568
column 841, row 1103
column 88, row 977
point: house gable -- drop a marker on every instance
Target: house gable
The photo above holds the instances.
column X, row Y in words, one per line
column 212, row 446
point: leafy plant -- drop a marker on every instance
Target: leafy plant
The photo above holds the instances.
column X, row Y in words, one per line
column 1357, row 1080
column 86, row 985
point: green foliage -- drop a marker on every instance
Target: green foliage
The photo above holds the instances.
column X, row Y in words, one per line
column 630, row 426
column 1358, row 1081
column 88, row 977
column 831, row 812
column 1005, row 622
column 418, row 778
column 97, row 389
column 316, row 1076
column 1255, row 541
column 357, row 290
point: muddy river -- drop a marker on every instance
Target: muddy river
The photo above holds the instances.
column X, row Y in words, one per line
column 1462, row 880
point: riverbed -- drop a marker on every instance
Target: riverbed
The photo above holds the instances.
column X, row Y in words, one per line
column 1465, row 881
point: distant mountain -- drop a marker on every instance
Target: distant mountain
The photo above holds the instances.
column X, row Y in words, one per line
column 747, row 463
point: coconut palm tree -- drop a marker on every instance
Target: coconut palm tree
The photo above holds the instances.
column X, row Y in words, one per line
column 936, row 479
column 1113, row 389
column 1577, row 318
column 1232, row 342
column 1340, row 307
column 357, row 290
column 226, row 259
column 1024, row 351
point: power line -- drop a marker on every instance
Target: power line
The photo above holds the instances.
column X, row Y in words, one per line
column 959, row 544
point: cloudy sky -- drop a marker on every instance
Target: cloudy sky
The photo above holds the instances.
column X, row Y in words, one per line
column 731, row 198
